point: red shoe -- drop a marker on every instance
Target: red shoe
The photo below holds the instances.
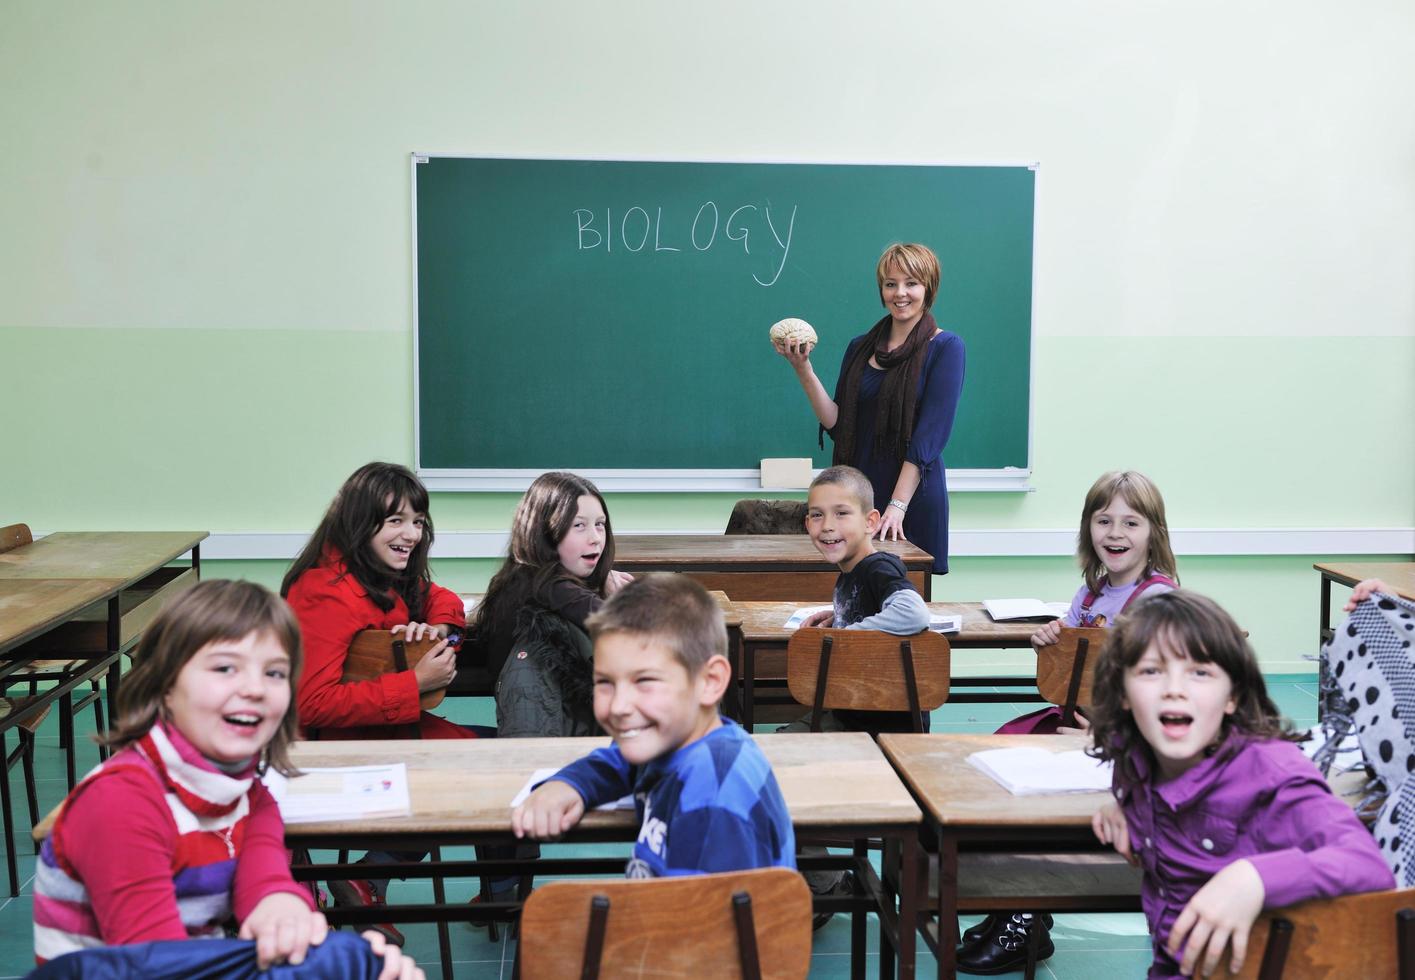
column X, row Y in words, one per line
column 358, row 893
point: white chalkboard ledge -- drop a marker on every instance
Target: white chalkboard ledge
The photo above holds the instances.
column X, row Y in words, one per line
column 1009, row 480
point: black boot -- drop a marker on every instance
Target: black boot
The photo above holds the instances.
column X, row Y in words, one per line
column 1003, row 948
column 977, row 932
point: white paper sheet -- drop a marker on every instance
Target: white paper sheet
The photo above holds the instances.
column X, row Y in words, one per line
column 541, row 775
column 342, row 793
column 1034, row 772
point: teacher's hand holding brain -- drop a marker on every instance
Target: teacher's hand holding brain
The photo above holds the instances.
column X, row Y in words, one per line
column 793, row 339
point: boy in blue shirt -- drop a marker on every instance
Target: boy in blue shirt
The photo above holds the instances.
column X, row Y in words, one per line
column 705, row 795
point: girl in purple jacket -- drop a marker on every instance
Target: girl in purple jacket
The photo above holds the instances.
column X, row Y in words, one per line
column 1213, row 801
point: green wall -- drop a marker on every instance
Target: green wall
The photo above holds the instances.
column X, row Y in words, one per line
column 206, row 273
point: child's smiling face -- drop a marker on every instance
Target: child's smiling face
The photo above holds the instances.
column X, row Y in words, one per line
column 230, row 697
column 397, row 538
column 646, row 699
column 839, row 528
column 1121, row 536
column 1178, row 704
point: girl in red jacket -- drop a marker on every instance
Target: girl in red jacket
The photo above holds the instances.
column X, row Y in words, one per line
column 365, row 567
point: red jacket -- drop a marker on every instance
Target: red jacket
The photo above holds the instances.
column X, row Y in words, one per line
column 331, row 607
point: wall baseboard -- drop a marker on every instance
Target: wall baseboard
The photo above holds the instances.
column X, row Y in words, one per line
column 966, row 543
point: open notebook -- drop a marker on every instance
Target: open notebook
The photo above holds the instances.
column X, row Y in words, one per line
column 1004, row 609
column 1033, row 771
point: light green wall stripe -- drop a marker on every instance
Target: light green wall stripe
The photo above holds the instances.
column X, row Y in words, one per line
column 254, row 429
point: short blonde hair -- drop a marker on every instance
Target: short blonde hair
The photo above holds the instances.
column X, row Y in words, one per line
column 1137, row 490
column 852, row 481
column 918, row 261
column 670, row 608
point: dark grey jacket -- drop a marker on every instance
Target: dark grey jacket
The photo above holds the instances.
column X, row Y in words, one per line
column 546, row 687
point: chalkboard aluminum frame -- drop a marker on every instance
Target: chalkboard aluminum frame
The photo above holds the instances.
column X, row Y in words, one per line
column 494, row 480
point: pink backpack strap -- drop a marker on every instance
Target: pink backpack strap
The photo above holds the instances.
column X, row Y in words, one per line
column 1156, row 579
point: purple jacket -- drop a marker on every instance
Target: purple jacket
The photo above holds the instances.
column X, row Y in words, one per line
column 1259, row 799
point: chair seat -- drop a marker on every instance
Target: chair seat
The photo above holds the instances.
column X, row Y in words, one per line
column 9, row 706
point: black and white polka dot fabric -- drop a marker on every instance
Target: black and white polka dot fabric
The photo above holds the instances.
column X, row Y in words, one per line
column 1370, row 658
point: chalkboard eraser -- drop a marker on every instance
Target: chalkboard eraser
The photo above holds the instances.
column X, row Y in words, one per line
column 786, row 474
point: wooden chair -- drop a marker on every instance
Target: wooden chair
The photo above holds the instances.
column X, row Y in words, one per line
column 1066, row 669
column 1371, row 935
column 374, row 653
column 767, row 517
column 54, row 671
column 23, row 754
column 866, row 670
column 747, row 924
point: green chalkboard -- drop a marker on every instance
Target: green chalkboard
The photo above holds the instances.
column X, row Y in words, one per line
column 613, row 315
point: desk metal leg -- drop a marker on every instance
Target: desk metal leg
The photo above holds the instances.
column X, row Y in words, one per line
column 196, row 560
column 947, row 907
column 749, row 686
column 1324, row 613
column 115, row 625
column 909, row 902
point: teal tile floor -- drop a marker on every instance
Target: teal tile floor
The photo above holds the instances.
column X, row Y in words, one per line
column 1087, row 946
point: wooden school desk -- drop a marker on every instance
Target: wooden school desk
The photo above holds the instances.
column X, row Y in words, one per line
column 1399, row 575
column 88, row 596
column 754, row 566
column 764, row 637
column 835, row 785
column 965, row 810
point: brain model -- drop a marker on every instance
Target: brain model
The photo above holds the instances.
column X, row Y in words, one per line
column 785, row 333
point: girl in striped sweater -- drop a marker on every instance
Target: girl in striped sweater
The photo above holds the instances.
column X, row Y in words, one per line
column 175, row 837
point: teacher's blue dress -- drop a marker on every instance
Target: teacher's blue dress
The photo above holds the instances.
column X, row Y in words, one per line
column 940, row 382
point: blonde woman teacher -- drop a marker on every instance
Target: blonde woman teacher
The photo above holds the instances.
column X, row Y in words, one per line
column 895, row 400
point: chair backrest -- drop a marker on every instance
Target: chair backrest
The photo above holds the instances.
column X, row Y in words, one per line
column 374, row 653
column 14, row 536
column 1371, row 935
column 866, row 670
column 767, row 517
column 705, row 926
column 1066, row 668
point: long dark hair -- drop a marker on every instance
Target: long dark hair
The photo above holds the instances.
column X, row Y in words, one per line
column 532, row 566
column 209, row 611
column 374, row 493
column 1198, row 628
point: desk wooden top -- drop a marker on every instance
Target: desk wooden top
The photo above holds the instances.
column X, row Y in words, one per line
column 958, row 796
column 30, row 607
column 1399, row 575
column 746, row 552
column 466, row 786
column 764, row 622
column 118, row 558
